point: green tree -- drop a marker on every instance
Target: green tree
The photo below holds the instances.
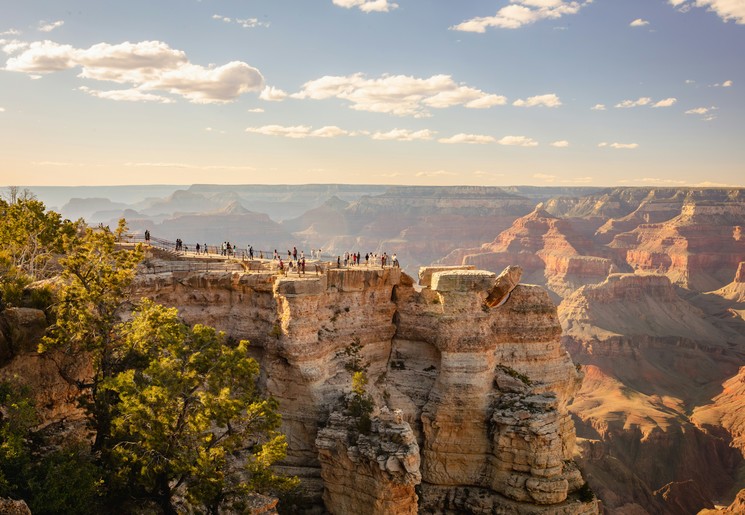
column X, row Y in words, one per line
column 96, row 279
column 191, row 422
column 31, row 236
column 63, row 480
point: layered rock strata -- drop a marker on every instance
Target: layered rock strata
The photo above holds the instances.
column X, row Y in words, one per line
column 649, row 356
column 468, row 400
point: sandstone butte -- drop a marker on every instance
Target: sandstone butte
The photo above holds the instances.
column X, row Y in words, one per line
column 470, row 401
column 469, row 380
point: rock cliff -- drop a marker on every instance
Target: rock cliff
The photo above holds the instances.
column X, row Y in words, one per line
column 468, row 403
column 649, row 357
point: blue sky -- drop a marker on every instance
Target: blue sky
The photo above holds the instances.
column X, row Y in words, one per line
column 544, row 92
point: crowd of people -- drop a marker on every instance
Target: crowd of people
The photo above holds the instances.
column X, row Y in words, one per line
column 295, row 259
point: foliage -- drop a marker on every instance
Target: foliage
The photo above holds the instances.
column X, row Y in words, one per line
column 66, row 481
column 63, row 481
column 31, row 236
column 185, row 418
column 17, row 417
column 96, row 278
column 359, row 402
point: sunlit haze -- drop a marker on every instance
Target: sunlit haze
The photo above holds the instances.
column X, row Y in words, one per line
column 535, row 92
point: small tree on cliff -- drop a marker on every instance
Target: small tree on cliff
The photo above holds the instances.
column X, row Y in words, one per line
column 191, row 422
column 96, row 279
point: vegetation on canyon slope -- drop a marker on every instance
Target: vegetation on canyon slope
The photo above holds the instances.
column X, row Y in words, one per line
column 175, row 417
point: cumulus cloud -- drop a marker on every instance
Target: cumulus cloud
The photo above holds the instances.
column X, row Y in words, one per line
column 298, row 131
column 668, row 102
column 698, row 110
column 620, row 146
column 638, row 23
column 43, row 57
column 12, row 46
column 272, row 94
column 256, row 110
column 404, row 135
column 598, row 107
column 127, row 95
column 10, row 32
column 50, row 26
column 706, row 113
column 367, row 6
column 400, row 95
column 473, row 139
column 548, row 100
column 642, row 101
column 727, row 10
column 518, row 141
column 146, row 66
column 560, row 144
column 520, row 13
column 725, row 84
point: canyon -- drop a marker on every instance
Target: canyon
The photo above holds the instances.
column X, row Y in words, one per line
column 474, row 398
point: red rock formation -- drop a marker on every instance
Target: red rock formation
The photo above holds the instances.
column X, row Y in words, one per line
column 548, row 249
column 648, row 356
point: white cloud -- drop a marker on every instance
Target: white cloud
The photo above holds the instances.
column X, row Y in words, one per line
column 698, row 110
column 642, row 101
column 725, row 84
column 487, row 101
column 10, row 32
column 560, row 144
column 367, row 5
column 127, row 95
column 298, row 131
column 598, row 107
column 519, row 141
column 690, row 81
column 547, row 100
column 256, row 110
column 399, row 95
column 329, row 131
column 12, row 46
column 521, row 12
column 620, row 146
column 435, row 173
column 404, row 135
column 726, row 9
column 50, row 26
column 246, row 23
column 656, row 180
column 146, row 65
column 43, row 57
column 272, row 94
column 2, row 109
column 666, row 102
column 638, row 23
column 478, row 139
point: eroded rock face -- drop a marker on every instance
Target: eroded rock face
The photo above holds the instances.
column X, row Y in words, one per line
column 470, row 401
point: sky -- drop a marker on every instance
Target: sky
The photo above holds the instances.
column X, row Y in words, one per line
column 436, row 92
